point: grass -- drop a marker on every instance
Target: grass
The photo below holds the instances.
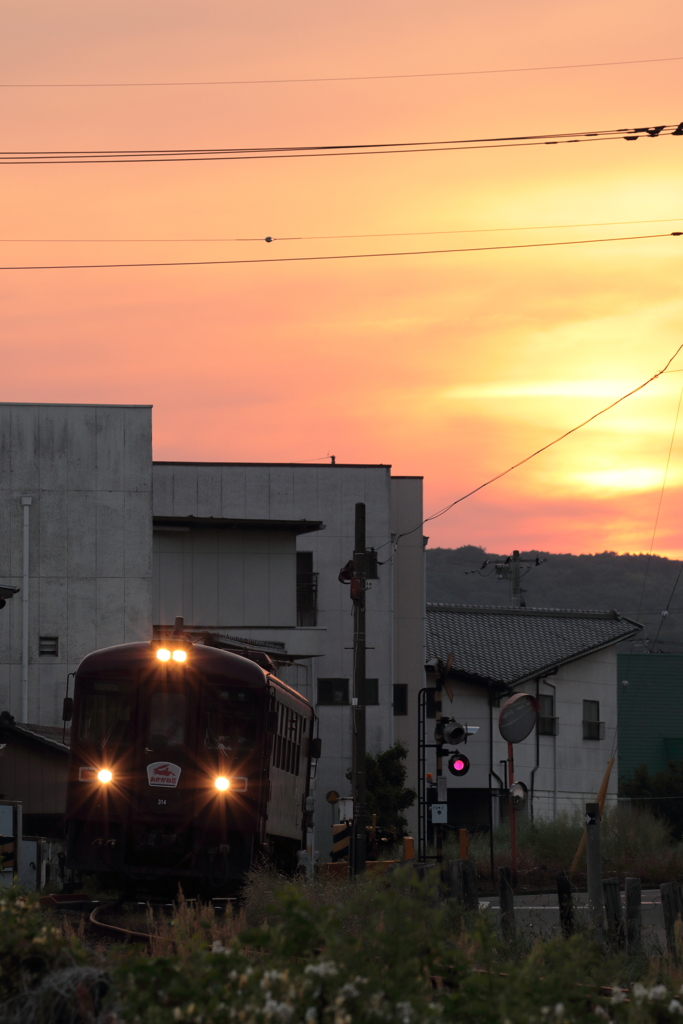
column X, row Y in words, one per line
column 388, row 950
column 634, row 842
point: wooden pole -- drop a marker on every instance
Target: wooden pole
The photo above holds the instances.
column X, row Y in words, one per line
column 602, row 793
column 594, row 865
column 463, row 843
column 507, row 904
column 634, row 920
column 565, row 904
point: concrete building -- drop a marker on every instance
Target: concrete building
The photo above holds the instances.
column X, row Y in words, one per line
column 106, row 545
column 252, row 552
column 76, row 538
column 568, row 660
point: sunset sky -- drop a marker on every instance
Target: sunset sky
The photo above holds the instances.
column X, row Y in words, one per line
column 450, row 366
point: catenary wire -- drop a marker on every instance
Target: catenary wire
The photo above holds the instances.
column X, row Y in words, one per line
column 32, row 157
column 377, row 234
column 528, row 458
column 339, row 256
column 344, row 78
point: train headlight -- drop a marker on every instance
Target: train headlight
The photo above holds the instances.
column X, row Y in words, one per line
column 180, row 655
column 163, row 654
column 104, row 775
column 222, row 783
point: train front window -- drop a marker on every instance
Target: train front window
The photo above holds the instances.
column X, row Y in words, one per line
column 232, row 722
column 105, row 713
column 167, row 716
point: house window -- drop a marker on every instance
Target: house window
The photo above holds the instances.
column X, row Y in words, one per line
column 333, row 691
column 48, row 645
column 548, row 724
column 371, row 691
column 306, row 590
column 400, row 699
column 593, row 728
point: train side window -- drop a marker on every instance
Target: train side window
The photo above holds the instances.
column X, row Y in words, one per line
column 167, row 720
column 232, row 725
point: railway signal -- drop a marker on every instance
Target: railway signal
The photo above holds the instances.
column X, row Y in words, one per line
column 458, row 764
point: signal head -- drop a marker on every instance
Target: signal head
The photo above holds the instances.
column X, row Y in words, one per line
column 458, row 764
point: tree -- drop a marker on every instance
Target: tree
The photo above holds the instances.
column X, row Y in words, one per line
column 386, row 793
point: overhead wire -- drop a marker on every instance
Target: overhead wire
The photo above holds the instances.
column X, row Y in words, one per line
column 475, row 490
column 340, row 78
column 111, row 156
column 337, row 256
column 375, row 234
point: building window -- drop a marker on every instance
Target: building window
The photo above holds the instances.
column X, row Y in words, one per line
column 548, row 724
column 400, row 699
column 48, row 645
column 593, row 728
column 333, row 691
column 371, row 691
column 306, row 590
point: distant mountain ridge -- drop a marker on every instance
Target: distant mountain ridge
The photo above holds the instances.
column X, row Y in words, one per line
column 600, row 581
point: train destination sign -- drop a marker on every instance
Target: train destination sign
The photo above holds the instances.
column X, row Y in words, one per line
column 518, row 717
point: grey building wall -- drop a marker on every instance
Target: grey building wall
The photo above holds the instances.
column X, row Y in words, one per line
column 326, row 493
column 409, row 615
column 88, row 469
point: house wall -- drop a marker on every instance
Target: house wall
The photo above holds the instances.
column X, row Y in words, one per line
column 580, row 763
column 35, row 774
column 88, row 470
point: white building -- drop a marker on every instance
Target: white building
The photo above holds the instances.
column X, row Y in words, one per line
column 119, row 545
column 568, row 660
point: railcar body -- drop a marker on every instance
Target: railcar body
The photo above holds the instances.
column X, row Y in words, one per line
column 183, row 770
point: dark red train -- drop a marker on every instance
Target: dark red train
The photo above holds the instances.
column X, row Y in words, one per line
column 187, row 763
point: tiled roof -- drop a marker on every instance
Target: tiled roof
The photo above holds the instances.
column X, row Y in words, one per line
column 504, row 646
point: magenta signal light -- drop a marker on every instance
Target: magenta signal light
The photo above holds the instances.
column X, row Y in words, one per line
column 458, row 764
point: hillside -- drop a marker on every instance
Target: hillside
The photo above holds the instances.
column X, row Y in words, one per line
column 604, row 580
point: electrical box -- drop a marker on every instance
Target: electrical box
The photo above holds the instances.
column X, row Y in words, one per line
column 439, row 814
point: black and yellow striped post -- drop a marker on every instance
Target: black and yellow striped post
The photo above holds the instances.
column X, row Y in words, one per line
column 341, row 836
column 438, row 731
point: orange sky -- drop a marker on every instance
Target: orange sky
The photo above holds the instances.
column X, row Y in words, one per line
column 450, row 366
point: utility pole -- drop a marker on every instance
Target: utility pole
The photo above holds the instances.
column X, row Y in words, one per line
column 514, row 573
column 357, row 852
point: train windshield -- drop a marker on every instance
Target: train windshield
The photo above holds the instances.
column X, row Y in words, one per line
column 232, row 721
column 105, row 713
column 167, row 716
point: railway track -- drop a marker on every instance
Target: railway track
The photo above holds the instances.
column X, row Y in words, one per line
column 114, row 930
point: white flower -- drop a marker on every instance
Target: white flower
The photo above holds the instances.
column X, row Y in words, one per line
column 405, row 1012
column 545, row 1010
column 559, row 1009
column 675, row 1007
column 657, row 992
column 311, row 1015
column 639, row 992
column 600, row 1011
column 325, row 969
column 281, row 1011
column 348, row 991
column 618, row 995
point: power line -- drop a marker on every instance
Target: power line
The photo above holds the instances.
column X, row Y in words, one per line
column 338, row 256
column 538, row 451
column 377, row 234
column 29, row 157
column 345, row 78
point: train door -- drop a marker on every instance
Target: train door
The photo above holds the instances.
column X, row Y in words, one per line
column 162, row 811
